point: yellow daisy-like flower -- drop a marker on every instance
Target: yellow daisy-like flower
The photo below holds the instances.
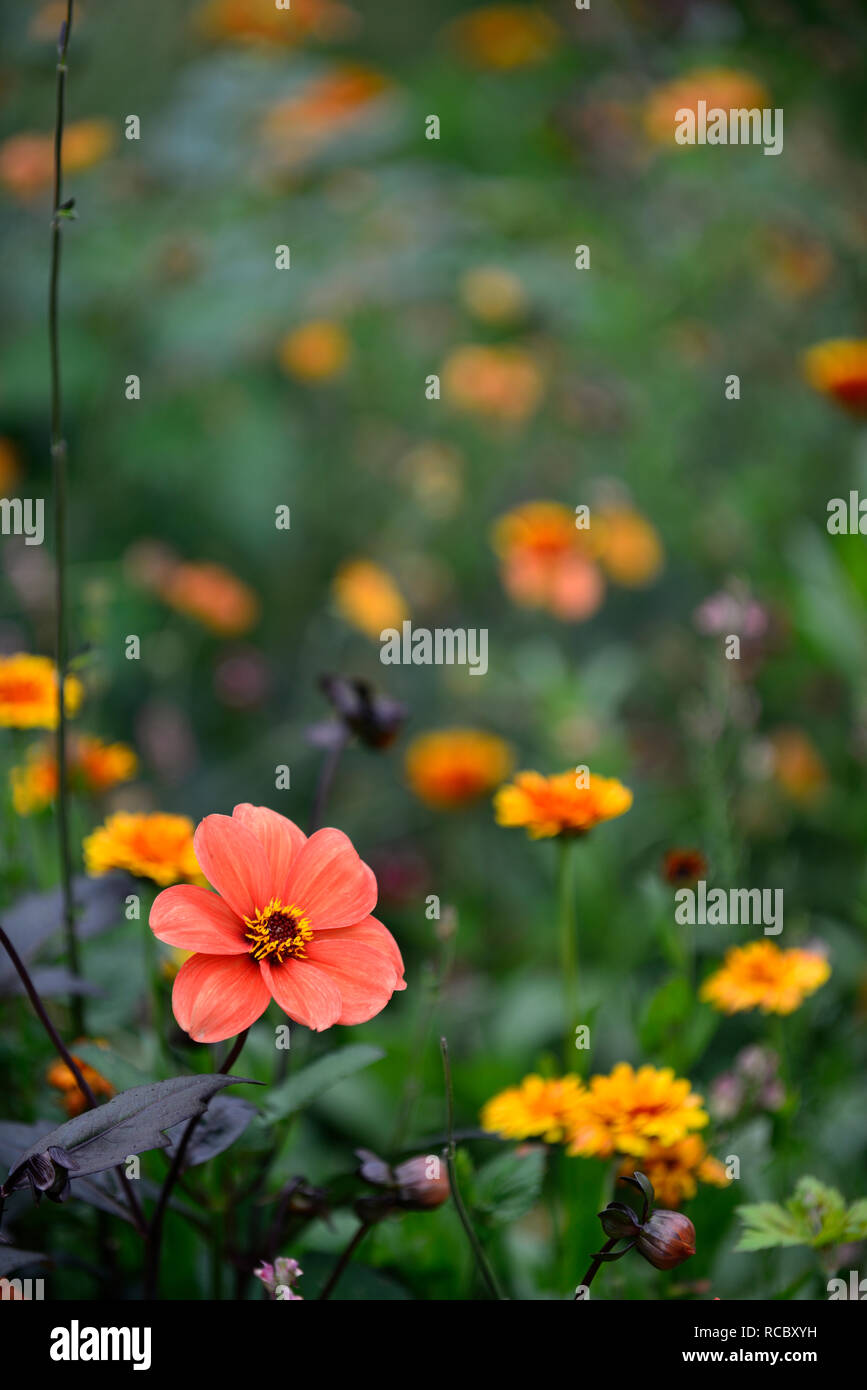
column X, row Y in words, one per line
column 762, row 976
column 368, row 598
column 676, row 1169
column 62, row 1078
column 315, row 351
column 838, row 368
column 628, row 1111
column 148, row 845
column 548, row 806
column 505, row 37
column 29, row 692
column 450, row 768
column 94, row 767
column 538, row 1108
column 34, row 782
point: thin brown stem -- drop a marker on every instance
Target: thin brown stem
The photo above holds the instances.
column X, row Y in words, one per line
column 481, row 1258
column 326, row 777
column 596, row 1265
column 64, row 1053
column 155, row 1232
column 344, row 1259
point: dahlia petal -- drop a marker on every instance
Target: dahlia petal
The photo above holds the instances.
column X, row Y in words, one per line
column 281, row 839
column 234, row 862
column 330, row 883
column 197, row 920
column 366, row 978
column 305, row 992
column 215, row 997
column 370, row 932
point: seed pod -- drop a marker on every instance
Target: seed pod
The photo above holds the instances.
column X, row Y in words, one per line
column 666, row 1239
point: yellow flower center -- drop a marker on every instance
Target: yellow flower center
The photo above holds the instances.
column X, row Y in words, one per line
column 278, row 931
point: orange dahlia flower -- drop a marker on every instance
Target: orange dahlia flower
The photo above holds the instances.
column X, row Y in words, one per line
column 629, row 1111
column 762, row 976
column 289, row 920
column 29, row 692
column 450, row 768
column 838, row 368
column 546, row 562
column 548, row 806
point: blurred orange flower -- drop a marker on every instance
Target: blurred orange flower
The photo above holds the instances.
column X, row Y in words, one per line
column 546, row 562
column 256, row 21
column 315, row 351
column 296, row 128
column 27, row 160
column 450, row 768
column 212, row 595
column 548, row 806
column 368, row 598
column 838, row 368
column 762, row 976
column 725, row 88
column 10, row 467
column 627, row 546
column 629, row 1111
column 94, row 767
column 798, row 766
column 147, row 845
column 504, row 37
column 62, row 1078
column 538, row 1108
column 29, row 692
column 504, row 384
column 675, row 1170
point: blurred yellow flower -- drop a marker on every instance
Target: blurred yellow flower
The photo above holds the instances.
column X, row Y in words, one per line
column 29, row 692
column 725, row 88
column 367, row 597
column 10, row 467
column 503, row 384
column 450, row 768
column 62, row 1078
column 545, row 561
column 258, row 21
column 838, row 368
column 627, row 546
column 762, row 976
column 538, row 1108
column 149, row 845
column 505, row 37
column 27, row 159
column 675, row 1170
column 629, row 1111
column 315, row 351
column 547, row 806
column 493, row 295
column 94, row 767
column 212, row 595
column 798, row 767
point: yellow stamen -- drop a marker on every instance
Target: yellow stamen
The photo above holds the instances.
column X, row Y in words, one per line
column 278, row 931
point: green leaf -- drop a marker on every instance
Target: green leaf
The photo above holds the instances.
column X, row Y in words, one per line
column 508, row 1186
column 856, row 1221
column 297, row 1091
column 767, row 1225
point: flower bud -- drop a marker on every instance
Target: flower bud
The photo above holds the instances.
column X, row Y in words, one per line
column 423, row 1183
column 666, row 1239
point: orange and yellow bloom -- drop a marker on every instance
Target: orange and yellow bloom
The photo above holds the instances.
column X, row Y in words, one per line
column 675, row 1170
column 260, row 21
column 94, row 767
column 147, row 844
column 546, row 562
column 505, row 37
column 62, row 1078
column 316, row 351
column 213, row 596
column 450, row 768
column 290, row 919
column 627, row 546
column 537, row 1108
column 27, row 160
column 762, row 976
column 500, row 384
column 548, row 806
column 29, row 692
column 628, row 1112
column 838, row 369
column 724, row 88
column 367, row 597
